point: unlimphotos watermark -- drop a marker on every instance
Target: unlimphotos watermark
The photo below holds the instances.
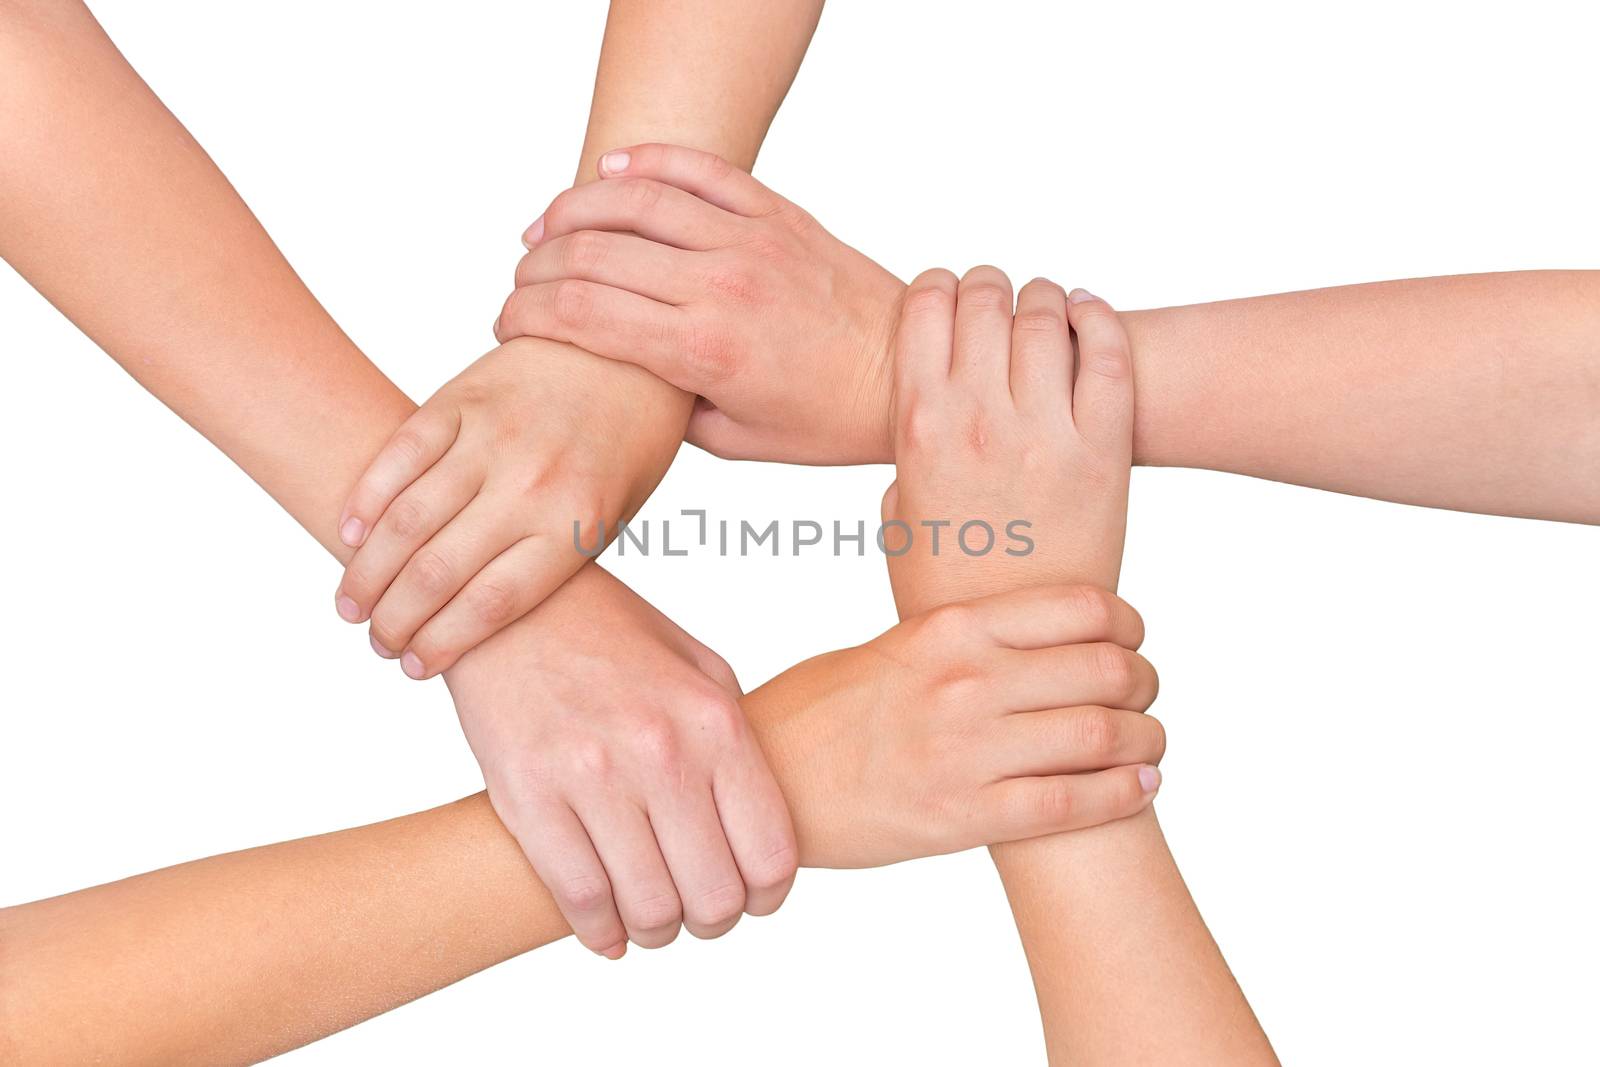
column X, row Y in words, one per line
column 972, row 537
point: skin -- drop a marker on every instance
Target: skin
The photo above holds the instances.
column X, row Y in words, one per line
column 117, row 216
column 1124, row 968
column 465, row 523
column 1478, row 393
column 886, row 751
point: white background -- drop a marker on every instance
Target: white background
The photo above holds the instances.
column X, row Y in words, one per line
column 1381, row 717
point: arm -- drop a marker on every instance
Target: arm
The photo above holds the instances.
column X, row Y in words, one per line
column 113, row 212
column 238, row 957
column 996, row 420
column 1479, row 392
column 709, row 72
column 111, row 209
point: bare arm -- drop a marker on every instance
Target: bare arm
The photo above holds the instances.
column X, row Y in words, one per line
column 238, row 957
column 1124, row 968
column 1478, row 392
column 709, row 73
column 113, row 212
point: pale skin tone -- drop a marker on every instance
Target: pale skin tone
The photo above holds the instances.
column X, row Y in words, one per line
column 999, row 415
column 885, row 752
column 111, row 210
column 1478, row 392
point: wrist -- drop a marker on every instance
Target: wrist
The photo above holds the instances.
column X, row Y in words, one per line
column 875, row 443
column 1167, row 423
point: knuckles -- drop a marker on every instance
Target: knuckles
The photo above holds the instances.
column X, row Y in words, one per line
column 1115, row 668
column 1099, row 732
column 921, row 425
column 433, row 573
column 929, row 300
column 584, row 895
column 775, row 865
column 491, row 603
column 1094, row 608
column 407, row 518
column 710, row 354
column 986, row 295
column 1040, row 324
column 572, row 304
column 715, row 717
column 583, row 252
column 659, row 912
column 716, row 907
column 639, row 195
column 949, row 625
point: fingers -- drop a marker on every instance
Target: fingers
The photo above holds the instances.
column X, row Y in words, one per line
column 509, row 586
column 419, row 443
column 646, row 900
column 709, row 177
column 982, row 360
column 437, row 571
column 653, row 210
column 760, row 834
column 405, row 526
column 1070, row 740
column 565, row 860
column 1075, row 675
column 923, row 342
column 604, row 320
column 1049, row 615
column 1041, row 350
column 1102, row 404
column 616, row 259
column 1032, row 807
column 695, row 846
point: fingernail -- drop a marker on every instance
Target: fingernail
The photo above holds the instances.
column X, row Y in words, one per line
column 348, row 609
column 1149, row 778
column 379, row 649
column 614, row 163
column 614, row 952
column 533, row 234
column 411, row 663
column 1078, row 296
column 352, row 531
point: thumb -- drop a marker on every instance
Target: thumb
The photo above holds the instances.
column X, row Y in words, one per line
column 1102, row 395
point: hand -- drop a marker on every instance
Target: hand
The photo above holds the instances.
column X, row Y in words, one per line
column 474, row 511
column 1003, row 718
column 994, row 425
column 687, row 266
column 616, row 753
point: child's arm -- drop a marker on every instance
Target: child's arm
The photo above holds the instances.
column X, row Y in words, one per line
column 466, row 521
column 1477, row 392
column 114, row 213
column 996, row 421
column 884, row 752
column 1480, row 392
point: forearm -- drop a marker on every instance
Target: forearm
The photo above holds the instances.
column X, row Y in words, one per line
column 116, row 215
column 707, row 73
column 1477, row 392
column 1124, row 967
column 235, row 958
